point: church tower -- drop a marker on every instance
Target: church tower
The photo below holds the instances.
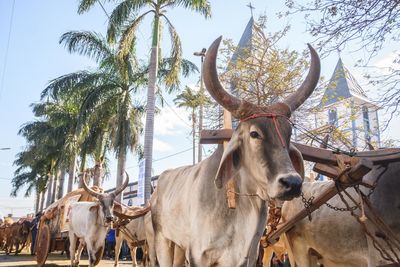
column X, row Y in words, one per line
column 346, row 107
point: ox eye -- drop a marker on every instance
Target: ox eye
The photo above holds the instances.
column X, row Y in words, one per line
column 254, row 134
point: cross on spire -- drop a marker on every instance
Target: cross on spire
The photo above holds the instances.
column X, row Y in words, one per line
column 251, row 8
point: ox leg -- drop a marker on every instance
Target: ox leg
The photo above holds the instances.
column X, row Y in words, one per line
column 150, row 238
column 91, row 253
column 133, row 254
column 267, row 256
column 165, row 251
column 72, row 247
column 79, row 252
column 301, row 254
column 16, row 247
column 118, row 244
column 179, row 256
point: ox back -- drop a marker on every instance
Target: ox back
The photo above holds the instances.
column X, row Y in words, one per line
column 336, row 236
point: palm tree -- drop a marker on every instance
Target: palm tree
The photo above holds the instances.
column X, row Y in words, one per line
column 37, row 164
column 192, row 100
column 126, row 13
column 108, row 108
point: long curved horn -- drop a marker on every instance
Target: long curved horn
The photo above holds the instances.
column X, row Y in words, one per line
column 123, row 186
column 87, row 189
column 212, row 82
column 297, row 98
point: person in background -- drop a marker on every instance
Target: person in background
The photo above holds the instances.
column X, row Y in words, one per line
column 275, row 262
column 35, row 223
column 110, row 243
column 286, row 262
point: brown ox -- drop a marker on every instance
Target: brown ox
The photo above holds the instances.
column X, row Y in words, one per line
column 190, row 208
column 135, row 235
column 2, row 236
column 17, row 235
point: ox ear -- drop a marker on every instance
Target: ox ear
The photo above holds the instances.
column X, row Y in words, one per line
column 94, row 208
column 297, row 160
column 228, row 160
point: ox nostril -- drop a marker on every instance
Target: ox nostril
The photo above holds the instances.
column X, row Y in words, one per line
column 291, row 184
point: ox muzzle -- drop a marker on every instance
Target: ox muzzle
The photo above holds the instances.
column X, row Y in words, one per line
column 290, row 186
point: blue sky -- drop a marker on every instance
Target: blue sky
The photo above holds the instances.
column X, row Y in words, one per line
column 35, row 57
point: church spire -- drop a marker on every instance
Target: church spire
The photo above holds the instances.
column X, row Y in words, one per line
column 251, row 8
column 342, row 85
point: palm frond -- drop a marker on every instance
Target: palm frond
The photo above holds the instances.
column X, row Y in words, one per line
column 96, row 97
column 127, row 41
column 200, row 6
column 87, row 43
column 85, row 5
column 172, row 77
column 61, row 85
column 119, row 15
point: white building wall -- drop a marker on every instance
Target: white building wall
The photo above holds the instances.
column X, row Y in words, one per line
column 351, row 123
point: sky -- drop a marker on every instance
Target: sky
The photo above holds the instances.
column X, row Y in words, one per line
column 30, row 56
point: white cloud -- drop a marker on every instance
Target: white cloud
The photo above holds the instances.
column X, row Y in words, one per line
column 160, row 146
column 387, row 62
column 171, row 121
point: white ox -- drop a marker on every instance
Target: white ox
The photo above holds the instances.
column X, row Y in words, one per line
column 88, row 222
column 336, row 237
column 190, row 208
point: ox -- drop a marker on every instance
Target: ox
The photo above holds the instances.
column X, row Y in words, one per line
column 2, row 235
column 16, row 235
column 190, row 208
column 336, row 237
column 135, row 235
column 88, row 222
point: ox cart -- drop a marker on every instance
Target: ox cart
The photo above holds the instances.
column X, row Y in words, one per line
column 53, row 228
column 346, row 169
column 53, row 225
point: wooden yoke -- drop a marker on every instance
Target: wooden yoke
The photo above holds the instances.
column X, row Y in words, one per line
column 230, row 185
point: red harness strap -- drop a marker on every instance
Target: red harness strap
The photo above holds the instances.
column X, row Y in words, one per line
column 274, row 120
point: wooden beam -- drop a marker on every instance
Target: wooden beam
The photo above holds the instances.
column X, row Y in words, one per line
column 215, row 136
column 315, row 154
column 326, row 170
column 318, row 201
column 390, row 265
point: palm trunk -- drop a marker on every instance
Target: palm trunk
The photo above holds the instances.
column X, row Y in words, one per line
column 82, row 170
column 194, row 136
column 60, row 190
column 71, row 173
column 200, row 151
column 121, row 171
column 42, row 196
column 49, row 188
column 97, row 178
column 149, row 129
column 37, row 201
column 55, row 186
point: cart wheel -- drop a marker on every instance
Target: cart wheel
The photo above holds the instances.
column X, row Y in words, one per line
column 42, row 244
column 99, row 255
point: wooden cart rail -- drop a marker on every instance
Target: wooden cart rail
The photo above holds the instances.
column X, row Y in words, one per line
column 314, row 154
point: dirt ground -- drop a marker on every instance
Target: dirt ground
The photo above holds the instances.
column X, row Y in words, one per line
column 54, row 260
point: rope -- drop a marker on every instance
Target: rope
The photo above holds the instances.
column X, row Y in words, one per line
column 274, row 120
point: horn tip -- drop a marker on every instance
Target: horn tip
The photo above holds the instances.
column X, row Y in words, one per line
column 217, row 41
